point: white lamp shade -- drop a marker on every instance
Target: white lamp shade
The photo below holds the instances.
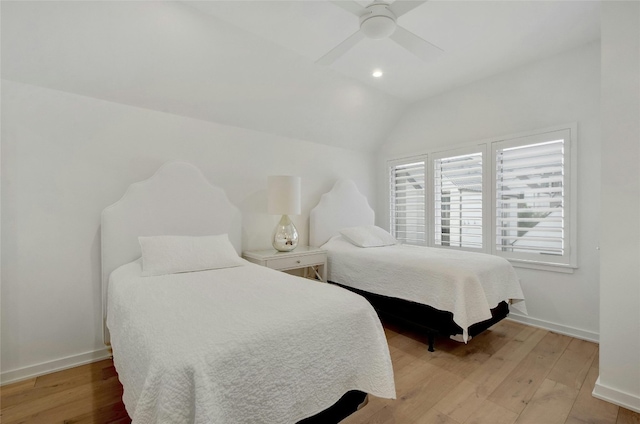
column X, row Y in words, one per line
column 283, row 194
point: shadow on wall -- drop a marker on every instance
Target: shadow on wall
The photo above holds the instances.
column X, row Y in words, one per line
column 257, row 224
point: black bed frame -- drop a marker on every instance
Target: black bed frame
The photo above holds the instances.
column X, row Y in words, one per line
column 349, row 403
column 425, row 318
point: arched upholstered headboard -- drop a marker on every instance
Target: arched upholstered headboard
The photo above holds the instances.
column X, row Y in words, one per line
column 176, row 200
column 344, row 206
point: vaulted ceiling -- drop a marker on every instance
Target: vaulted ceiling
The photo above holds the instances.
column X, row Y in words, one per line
column 252, row 63
column 479, row 38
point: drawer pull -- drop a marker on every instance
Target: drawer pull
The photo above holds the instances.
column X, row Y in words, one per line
column 298, row 261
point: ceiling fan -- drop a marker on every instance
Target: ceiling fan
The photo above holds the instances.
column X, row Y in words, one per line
column 378, row 20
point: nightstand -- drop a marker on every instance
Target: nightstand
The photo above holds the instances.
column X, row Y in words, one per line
column 302, row 257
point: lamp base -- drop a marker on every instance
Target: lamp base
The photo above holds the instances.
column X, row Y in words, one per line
column 285, row 235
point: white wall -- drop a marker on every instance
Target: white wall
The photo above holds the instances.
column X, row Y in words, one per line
column 558, row 90
column 619, row 379
column 65, row 157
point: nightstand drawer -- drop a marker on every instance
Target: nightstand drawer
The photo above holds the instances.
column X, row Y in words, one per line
column 303, row 257
column 296, row 262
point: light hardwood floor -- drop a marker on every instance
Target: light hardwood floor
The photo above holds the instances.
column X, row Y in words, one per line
column 509, row 374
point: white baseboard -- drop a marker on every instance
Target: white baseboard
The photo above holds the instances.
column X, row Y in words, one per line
column 617, row 397
column 53, row 366
column 578, row 333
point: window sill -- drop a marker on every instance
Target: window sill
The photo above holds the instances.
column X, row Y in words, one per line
column 565, row 269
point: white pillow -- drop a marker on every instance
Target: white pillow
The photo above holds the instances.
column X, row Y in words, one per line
column 383, row 234
column 368, row 236
column 172, row 254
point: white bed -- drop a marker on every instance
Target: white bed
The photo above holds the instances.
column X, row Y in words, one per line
column 465, row 284
column 242, row 344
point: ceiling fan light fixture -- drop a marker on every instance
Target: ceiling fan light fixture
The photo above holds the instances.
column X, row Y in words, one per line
column 377, row 27
column 378, row 21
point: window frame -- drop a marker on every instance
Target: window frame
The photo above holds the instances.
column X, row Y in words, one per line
column 488, row 147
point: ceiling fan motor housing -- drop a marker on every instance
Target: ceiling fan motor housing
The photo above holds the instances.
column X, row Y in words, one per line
column 378, row 21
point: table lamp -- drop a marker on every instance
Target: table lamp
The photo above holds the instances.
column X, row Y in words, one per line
column 283, row 194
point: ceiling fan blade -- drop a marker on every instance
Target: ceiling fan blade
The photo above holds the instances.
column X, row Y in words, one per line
column 400, row 7
column 341, row 49
column 350, row 6
column 416, row 45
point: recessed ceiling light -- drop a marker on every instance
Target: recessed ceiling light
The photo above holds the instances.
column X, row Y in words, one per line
column 377, row 73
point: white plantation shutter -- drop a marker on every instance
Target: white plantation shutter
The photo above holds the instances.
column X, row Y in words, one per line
column 458, row 200
column 407, row 194
column 531, row 198
column 512, row 196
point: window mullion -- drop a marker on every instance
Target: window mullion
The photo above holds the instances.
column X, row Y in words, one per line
column 429, row 203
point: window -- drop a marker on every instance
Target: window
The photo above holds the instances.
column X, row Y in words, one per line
column 457, row 182
column 407, row 179
column 515, row 202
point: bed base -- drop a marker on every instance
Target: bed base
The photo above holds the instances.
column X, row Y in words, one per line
column 426, row 319
column 349, row 403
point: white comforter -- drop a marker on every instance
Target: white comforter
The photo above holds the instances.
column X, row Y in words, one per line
column 464, row 283
column 240, row 345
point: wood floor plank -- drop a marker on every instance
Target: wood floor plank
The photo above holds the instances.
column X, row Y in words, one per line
column 88, row 372
column 389, row 334
column 33, row 410
column 382, row 415
column 418, row 388
column 435, row 417
column 20, row 410
column 415, row 402
column 392, row 330
column 462, row 359
column 596, row 359
column 100, row 393
column 628, row 417
column 16, row 388
column 490, row 413
column 522, row 383
column 121, row 421
column 419, row 374
column 62, row 381
column 550, row 404
column 588, row 409
column 573, row 366
column 461, row 402
column 471, row 393
column 501, row 365
column 408, row 360
column 404, row 350
column 112, row 413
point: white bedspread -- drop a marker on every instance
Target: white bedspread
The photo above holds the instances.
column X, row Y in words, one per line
column 240, row 345
column 465, row 283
